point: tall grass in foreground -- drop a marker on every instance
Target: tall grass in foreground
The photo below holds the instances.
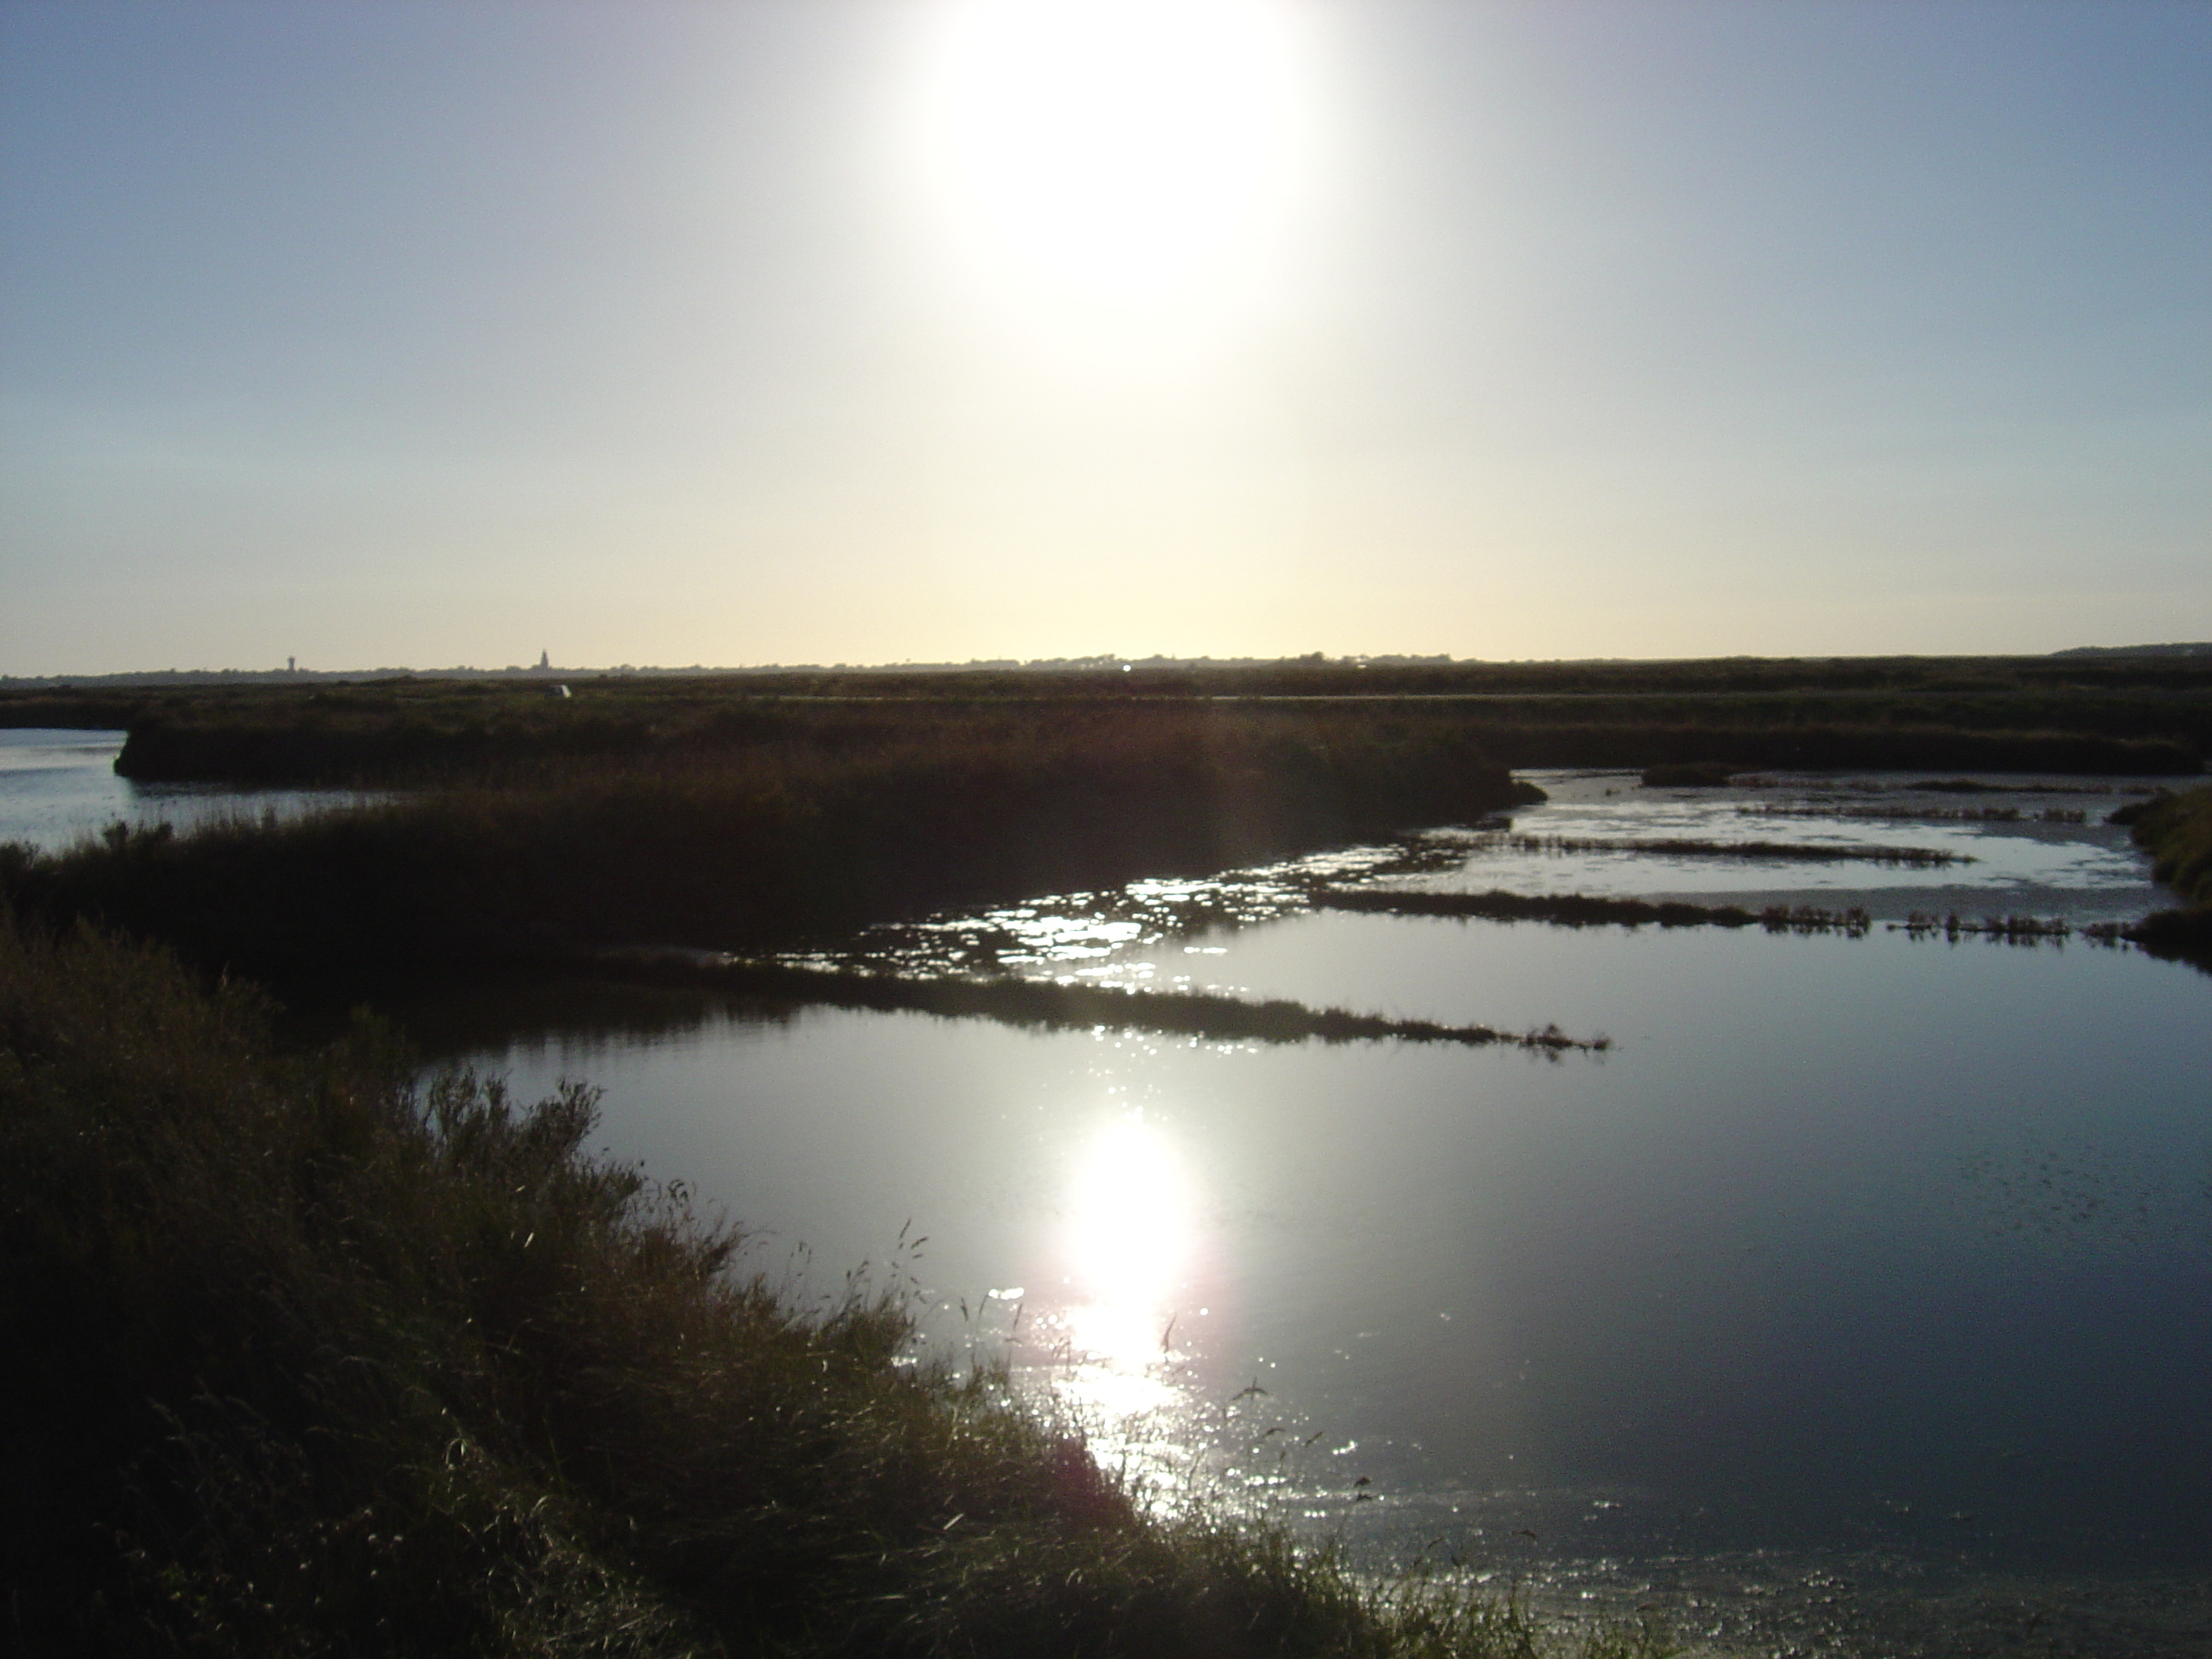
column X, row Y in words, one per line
column 304, row 1360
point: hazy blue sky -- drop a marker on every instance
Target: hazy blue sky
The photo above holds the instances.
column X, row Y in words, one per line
column 425, row 334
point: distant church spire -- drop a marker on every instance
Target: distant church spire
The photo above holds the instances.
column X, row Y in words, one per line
column 545, row 659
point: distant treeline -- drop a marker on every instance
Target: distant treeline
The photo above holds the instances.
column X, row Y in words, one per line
column 766, row 844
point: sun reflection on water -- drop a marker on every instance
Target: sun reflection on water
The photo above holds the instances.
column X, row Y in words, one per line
column 1119, row 1358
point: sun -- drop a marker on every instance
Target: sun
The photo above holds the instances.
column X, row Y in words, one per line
column 1119, row 149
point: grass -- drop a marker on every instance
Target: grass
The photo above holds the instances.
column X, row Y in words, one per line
column 1924, row 814
column 2176, row 830
column 1787, row 851
column 305, row 1360
column 2010, row 930
column 1588, row 910
column 762, row 848
column 1980, row 715
column 1044, row 1004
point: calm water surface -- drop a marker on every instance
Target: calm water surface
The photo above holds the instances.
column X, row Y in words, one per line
column 60, row 787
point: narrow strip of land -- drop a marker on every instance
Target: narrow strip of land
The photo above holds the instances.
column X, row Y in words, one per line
column 1785, row 851
column 1588, row 910
column 1592, row 911
column 1046, row 1004
column 1924, row 814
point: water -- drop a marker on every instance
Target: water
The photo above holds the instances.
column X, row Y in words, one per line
column 59, row 786
column 1858, row 1299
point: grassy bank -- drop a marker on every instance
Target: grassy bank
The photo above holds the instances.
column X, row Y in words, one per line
column 2176, row 830
column 1590, row 910
column 1783, row 852
column 1045, row 1004
column 303, row 1361
column 764, row 847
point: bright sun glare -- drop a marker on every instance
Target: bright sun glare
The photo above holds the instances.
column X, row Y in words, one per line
column 1130, row 1239
column 1122, row 150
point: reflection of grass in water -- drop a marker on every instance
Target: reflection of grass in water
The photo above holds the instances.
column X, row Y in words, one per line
column 1786, row 852
column 318, row 1363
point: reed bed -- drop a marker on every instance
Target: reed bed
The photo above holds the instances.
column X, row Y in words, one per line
column 1980, row 716
column 2011, row 930
column 1921, row 814
column 1788, row 852
column 1052, row 1006
column 765, row 850
column 1589, row 911
column 304, row 1358
column 2176, row 830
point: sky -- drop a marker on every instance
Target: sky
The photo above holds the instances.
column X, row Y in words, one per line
column 874, row 330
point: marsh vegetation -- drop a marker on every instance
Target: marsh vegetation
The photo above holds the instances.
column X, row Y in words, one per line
column 1048, row 1005
column 1588, row 910
column 2132, row 715
column 1784, row 852
column 769, row 846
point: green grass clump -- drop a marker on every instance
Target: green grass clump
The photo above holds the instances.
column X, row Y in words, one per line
column 303, row 1358
column 2176, row 830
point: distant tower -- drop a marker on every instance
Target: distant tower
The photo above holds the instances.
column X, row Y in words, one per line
column 545, row 659
column 291, row 665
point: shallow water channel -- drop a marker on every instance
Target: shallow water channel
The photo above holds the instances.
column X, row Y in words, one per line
column 1858, row 1300
column 57, row 787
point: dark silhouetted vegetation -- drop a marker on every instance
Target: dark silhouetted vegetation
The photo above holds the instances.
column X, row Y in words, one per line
column 1778, row 851
column 2011, row 930
column 1590, row 910
column 2176, row 830
column 2122, row 715
column 1689, row 775
column 1925, row 814
column 766, row 847
column 1045, row 1004
column 303, row 1358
